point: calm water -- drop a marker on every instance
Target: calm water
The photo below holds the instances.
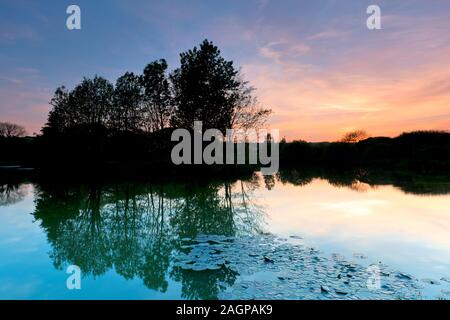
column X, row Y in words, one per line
column 127, row 237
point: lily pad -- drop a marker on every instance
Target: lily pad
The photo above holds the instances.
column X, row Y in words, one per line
column 431, row 281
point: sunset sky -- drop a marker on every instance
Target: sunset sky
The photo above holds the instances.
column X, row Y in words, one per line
column 313, row 62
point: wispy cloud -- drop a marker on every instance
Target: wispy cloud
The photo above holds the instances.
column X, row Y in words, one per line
column 284, row 50
column 328, row 34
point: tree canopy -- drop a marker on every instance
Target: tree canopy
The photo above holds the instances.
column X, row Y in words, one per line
column 354, row 136
column 127, row 111
column 205, row 87
column 157, row 96
column 89, row 104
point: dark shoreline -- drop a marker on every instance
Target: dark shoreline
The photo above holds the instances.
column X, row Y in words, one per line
column 409, row 181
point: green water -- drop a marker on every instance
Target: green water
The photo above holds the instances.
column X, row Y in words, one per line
column 126, row 237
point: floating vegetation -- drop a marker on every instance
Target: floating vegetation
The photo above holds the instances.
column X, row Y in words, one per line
column 431, row 281
column 271, row 268
column 359, row 256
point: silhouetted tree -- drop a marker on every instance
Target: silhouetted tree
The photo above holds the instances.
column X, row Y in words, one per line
column 205, row 87
column 93, row 98
column 247, row 113
column 208, row 88
column 354, row 136
column 88, row 104
column 157, row 98
column 10, row 130
column 61, row 116
column 127, row 112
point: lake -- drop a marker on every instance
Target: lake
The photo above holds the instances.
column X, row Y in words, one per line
column 296, row 235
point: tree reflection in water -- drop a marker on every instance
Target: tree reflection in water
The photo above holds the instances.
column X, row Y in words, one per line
column 135, row 227
column 11, row 193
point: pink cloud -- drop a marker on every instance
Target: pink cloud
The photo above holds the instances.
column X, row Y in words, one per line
column 392, row 81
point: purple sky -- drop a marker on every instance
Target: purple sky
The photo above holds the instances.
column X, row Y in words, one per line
column 314, row 63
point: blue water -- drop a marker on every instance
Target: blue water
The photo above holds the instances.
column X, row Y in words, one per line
column 124, row 236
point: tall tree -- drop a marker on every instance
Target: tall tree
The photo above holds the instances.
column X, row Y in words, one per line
column 157, row 97
column 60, row 117
column 93, row 100
column 208, row 88
column 88, row 104
column 127, row 113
